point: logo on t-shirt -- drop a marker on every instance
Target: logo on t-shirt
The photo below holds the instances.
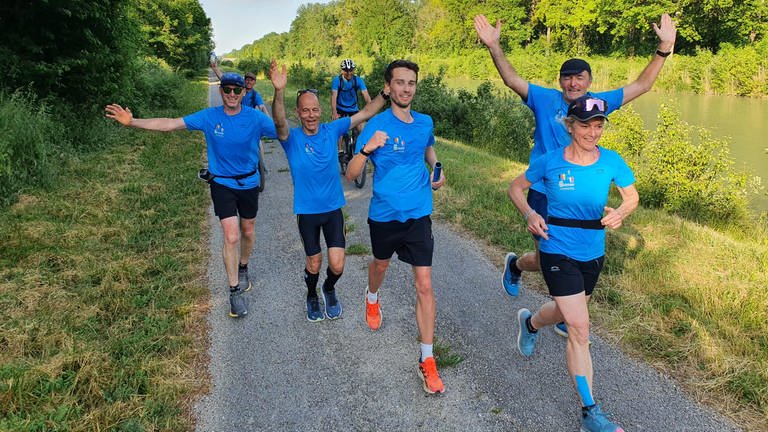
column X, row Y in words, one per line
column 308, row 149
column 218, row 130
column 398, row 145
column 567, row 181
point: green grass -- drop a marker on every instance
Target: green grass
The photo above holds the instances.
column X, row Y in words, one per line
column 443, row 356
column 358, row 249
column 102, row 290
column 688, row 298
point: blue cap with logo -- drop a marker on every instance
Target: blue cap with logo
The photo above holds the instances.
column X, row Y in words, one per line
column 231, row 78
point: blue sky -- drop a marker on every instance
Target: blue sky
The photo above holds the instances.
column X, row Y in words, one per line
column 239, row 22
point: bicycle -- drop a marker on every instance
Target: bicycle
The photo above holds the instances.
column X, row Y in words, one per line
column 348, row 142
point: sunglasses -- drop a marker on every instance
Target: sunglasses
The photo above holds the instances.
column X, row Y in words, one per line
column 592, row 103
column 228, row 90
column 309, row 90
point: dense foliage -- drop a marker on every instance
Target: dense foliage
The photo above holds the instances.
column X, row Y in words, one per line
column 62, row 61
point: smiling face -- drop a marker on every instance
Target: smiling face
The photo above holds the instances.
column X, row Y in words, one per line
column 402, row 86
column 249, row 83
column 231, row 100
column 308, row 110
column 586, row 134
column 575, row 86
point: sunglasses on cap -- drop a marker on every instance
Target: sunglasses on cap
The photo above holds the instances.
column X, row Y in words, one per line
column 592, row 103
column 228, row 90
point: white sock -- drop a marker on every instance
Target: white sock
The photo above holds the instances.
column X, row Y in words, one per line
column 372, row 297
column 426, row 351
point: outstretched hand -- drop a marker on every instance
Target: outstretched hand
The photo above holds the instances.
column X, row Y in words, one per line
column 117, row 113
column 666, row 31
column 488, row 34
column 278, row 76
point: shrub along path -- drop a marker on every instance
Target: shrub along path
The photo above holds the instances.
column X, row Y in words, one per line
column 275, row 370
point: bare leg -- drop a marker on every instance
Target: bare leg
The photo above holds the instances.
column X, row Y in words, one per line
column 425, row 303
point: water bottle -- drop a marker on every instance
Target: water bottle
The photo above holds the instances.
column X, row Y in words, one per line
column 436, row 172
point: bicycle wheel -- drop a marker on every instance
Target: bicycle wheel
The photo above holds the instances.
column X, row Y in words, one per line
column 343, row 156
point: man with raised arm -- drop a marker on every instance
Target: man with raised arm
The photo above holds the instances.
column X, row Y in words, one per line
column 399, row 141
column 232, row 134
column 550, row 107
column 317, row 192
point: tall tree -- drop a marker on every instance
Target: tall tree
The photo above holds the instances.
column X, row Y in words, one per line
column 312, row 32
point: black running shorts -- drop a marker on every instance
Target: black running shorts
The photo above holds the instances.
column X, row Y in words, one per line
column 566, row 276
column 412, row 240
column 332, row 225
column 228, row 202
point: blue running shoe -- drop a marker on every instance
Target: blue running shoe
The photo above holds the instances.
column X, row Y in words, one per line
column 314, row 314
column 332, row 305
column 526, row 340
column 511, row 281
column 561, row 329
column 593, row 419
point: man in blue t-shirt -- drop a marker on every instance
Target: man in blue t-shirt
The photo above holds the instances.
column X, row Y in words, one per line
column 344, row 88
column 399, row 141
column 549, row 108
column 317, row 193
column 232, row 134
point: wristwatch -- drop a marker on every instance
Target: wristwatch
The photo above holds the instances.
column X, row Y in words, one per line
column 384, row 95
column 364, row 153
column 663, row 54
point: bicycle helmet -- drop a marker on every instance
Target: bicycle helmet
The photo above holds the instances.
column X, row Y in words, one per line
column 348, row 64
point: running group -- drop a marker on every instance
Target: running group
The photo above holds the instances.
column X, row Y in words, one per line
column 562, row 196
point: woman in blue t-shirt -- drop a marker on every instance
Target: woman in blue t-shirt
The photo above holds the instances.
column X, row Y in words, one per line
column 577, row 179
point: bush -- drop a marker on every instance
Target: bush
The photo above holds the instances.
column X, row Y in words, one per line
column 681, row 168
column 304, row 77
column 499, row 124
column 29, row 143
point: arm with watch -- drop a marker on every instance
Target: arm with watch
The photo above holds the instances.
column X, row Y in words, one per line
column 379, row 139
column 666, row 33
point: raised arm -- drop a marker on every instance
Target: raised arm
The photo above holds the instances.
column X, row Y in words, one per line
column 489, row 36
column 279, row 78
column 355, row 166
column 216, row 70
column 125, row 118
column 370, row 109
column 666, row 32
column 334, row 113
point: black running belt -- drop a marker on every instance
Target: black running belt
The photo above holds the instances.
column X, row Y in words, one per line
column 576, row 223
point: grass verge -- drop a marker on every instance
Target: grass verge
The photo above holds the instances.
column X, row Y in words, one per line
column 103, row 292
column 689, row 299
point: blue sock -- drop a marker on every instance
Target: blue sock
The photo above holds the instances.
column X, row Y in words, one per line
column 583, row 388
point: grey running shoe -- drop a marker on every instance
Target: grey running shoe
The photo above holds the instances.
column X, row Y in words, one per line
column 243, row 280
column 238, row 305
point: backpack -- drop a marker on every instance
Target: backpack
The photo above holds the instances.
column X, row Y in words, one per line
column 341, row 86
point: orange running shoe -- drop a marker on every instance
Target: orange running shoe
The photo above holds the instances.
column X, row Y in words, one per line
column 429, row 376
column 372, row 313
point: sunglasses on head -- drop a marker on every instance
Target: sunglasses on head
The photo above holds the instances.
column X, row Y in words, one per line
column 228, row 90
column 592, row 103
column 309, row 90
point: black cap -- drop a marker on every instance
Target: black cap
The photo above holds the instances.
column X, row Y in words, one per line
column 587, row 107
column 574, row 66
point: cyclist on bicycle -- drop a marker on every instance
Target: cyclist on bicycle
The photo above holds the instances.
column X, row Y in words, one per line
column 344, row 89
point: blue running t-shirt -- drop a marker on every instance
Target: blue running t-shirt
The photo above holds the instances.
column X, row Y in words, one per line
column 232, row 142
column 252, row 99
column 549, row 109
column 347, row 96
column 401, row 184
column 577, row 192
column 314, row 166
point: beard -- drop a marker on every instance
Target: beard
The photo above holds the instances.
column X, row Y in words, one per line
column 400, row 104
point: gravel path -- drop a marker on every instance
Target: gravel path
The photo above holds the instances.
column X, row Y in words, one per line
column 274, row 370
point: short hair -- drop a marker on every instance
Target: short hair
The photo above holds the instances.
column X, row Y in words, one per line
column 398, row 64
